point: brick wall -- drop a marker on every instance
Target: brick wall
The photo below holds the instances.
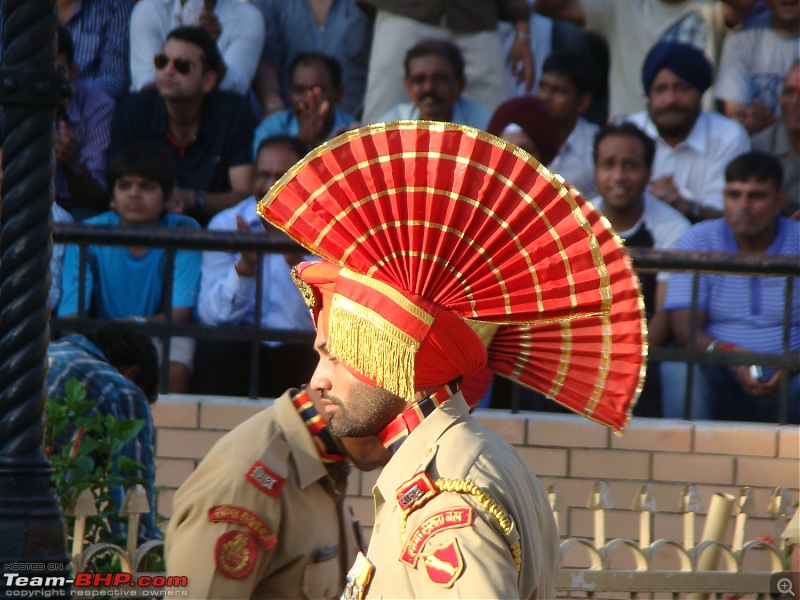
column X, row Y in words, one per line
column 566, row 450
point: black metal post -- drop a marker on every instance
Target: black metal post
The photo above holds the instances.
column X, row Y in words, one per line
column 31, row 527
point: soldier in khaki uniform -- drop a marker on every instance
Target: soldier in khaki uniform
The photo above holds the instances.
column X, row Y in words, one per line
column 439, row 263
column 263, row 515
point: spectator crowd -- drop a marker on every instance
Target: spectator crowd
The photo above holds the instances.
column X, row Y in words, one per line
column 185, row 112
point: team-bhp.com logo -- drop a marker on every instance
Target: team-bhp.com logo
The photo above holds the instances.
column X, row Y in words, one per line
column 27, row 582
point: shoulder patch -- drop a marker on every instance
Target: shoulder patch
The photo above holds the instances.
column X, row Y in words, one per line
column 415, row 492
column 449, row 518
column 265, row 479
column 235, row 554
column 444, row 565
column 228, row 513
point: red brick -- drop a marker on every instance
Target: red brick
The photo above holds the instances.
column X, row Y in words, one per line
column 172, row 472
column 609, row 464
column 572, row 431
column 181, row 443
column 692, row 468
column 227, row 414
column 545, row 461
column 511, row 427
column 174, row 413
column 789, row 442
column 655, row 434
column 769, row 472
column 737, row 439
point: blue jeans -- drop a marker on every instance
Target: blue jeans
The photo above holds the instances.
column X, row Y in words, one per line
column 673, row 392
column 729, row 401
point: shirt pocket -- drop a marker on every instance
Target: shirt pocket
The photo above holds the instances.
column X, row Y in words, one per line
column 321, row 580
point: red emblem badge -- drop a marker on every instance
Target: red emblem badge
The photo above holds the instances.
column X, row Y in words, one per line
column 227, row 513
column 264, row 479
column 235, row 554
column 451, row 518
column 415, row 492
column 444, row 565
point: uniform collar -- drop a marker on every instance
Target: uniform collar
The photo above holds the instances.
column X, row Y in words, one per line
column 419, row 449
column 304, row 453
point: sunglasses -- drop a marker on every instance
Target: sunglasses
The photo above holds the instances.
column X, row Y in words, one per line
column 182, row 65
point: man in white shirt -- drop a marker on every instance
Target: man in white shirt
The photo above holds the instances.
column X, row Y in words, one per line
column 692, row 145
column 753, row 64
column 567, row 86
column 632, row 27
column 236, row 26
column 435, row 81
column 623, row 156
column 228, row 295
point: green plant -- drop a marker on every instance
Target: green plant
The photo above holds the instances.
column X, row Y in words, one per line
column 83, row 446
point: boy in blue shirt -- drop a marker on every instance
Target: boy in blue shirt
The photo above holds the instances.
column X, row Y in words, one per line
column 128, row 283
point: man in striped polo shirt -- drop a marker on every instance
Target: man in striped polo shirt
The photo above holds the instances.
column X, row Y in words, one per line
column 742, row 313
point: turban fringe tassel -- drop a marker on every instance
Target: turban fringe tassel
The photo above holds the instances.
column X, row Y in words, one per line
column 372, row 346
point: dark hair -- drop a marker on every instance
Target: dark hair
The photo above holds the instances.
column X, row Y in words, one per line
column 146, row 160
column 443, row 48
column 212, row 59
column 292, row 144
column 627, row 129
column 579, row 67
column 124, row 347
column 65, row 44
column 755, row 165
column 333, row 66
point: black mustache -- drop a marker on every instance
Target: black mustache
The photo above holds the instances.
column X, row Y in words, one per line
column 424, row 97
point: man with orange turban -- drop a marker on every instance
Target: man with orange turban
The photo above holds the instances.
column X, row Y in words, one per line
column 446, row 249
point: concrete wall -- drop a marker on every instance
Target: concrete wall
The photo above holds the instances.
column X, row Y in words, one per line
column 566, row 450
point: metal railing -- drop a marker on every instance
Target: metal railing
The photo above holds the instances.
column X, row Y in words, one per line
column 644, row 260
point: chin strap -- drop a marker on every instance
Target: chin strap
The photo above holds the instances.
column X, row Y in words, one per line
column 327, row 445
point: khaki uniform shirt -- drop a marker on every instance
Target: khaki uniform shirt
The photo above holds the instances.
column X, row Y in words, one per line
column 261, row 516
column 460, row 541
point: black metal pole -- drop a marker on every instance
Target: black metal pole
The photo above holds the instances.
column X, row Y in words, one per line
column 31, row 527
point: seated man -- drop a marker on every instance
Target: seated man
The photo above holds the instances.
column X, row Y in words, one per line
column 737, row 312
column 83, row 133
column 341, row 30
column 526, row 122
column 567, row 87
column 753, row 63
column 235, row 27
column 129, row 283
column 623, row 157
column 782, row 139
column 119, row 369
column 692, row 145
column 207, row 131
column 434, row 81
column 315, row 90
column 228, row 296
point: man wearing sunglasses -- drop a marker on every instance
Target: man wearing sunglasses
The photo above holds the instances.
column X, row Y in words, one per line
column 207, row 130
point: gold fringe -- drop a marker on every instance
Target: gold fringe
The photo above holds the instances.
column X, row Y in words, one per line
column 462, row 486
column 483, row 330
column 372, row 346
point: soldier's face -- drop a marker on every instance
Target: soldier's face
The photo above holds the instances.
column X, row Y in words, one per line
column 350, row 407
